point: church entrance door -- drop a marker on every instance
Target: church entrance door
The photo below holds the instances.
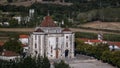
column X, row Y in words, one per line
column 66, row 52
column 57, row 52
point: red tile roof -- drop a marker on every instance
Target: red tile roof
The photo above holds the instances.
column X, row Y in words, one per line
column 23, row 36
column 66, row 29
column 90, row 40
column 9, row 53
column 48, row 22
column 38, row 30
column 114, row 43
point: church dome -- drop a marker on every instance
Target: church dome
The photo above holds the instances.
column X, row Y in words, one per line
column 48, row 22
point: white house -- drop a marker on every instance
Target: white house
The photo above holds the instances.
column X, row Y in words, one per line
column 18, row 18
column 9, row 55
column 114, row 45
column 24, row 39
column 92, row 41
column 51, row 41
column 6, row 23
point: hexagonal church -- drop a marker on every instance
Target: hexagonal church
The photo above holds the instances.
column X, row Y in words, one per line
column 51, row 41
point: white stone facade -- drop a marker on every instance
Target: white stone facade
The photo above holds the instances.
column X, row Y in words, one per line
column 51, row 41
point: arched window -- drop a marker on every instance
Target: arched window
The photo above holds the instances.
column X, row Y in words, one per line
column 67, row 37
column 36, row 52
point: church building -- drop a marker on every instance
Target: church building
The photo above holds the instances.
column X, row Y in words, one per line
column 51, row 41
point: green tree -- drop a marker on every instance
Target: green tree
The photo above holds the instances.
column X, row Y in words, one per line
column 39, row 62
column 13, row 44
column 28, row 62
column 115, row 57
column 45, row 63
column 61, row 64
column 13, row 23
column 99, row 49
column 106, row 56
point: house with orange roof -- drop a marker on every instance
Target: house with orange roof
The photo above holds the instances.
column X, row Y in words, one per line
column 9, row 55
column 24, row 39
column 92, row 41
column 114, row 45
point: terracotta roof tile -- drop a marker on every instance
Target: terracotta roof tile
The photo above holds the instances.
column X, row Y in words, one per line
column 23, row 36
column 114, row 43
column 48, row 22
column 9, row 53
column 90, row 40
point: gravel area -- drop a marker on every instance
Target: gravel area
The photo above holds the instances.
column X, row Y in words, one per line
column 82, row 61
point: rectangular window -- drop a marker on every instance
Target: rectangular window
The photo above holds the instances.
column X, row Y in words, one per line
column 66, row 44
column 35, row 45
column 57, row 41
column 51, row 49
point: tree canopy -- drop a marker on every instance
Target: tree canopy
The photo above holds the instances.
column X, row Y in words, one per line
column 13, row 44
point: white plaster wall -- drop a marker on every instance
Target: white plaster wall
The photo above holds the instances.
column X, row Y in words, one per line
column 51, row 42
column 9, row 58
column 115, row 47
column 24, row 40
column 39, row 41
column 60, row 46
column 70, row 47
column 44, row 43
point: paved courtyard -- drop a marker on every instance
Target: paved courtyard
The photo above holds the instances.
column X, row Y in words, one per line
column 82, row 61
column 90, row 64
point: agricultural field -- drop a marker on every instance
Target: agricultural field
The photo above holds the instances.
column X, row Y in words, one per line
column 102, row 25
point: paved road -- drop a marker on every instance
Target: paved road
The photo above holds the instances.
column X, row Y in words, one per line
column 72, row 29
column 87, row 62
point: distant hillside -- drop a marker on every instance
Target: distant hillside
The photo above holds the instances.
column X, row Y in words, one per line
column 30, row 2
column 103, row 14
column 82, row 11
